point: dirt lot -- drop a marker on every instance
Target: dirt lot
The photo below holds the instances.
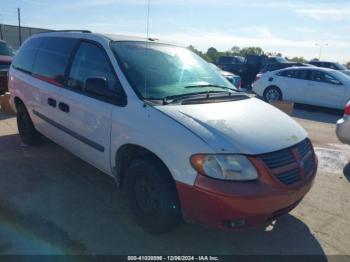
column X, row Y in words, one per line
column 52, row 202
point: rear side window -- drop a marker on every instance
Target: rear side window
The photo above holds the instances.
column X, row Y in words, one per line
column 24, row 60
column 301, row 74
column 287, row 73
column 52, row 59
column 90, row 61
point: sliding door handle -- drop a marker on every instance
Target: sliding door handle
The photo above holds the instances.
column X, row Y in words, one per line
column 63, row 107
column 51, row 102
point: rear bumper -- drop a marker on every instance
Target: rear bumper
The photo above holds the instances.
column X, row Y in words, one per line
column 343, row 130
column 215, row 203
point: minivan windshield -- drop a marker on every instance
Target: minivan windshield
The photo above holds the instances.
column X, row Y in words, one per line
column 6, row 50
column 157, row 71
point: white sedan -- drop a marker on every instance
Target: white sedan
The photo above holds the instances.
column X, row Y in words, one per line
column 305, row 85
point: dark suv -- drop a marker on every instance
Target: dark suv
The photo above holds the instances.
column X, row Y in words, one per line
column 331, row 65
column 6, row 55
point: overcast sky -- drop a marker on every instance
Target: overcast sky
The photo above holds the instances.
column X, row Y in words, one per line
column 290, row 27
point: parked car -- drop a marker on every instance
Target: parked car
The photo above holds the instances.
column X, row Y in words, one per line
column 247, row 68
column 165, row 125
column 234, row 79
column 343, row 126
column 6, row 54
column 331, row 65
column 305, row 85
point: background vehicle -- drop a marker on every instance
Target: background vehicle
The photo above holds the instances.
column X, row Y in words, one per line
column 343, row 126
column 120, row 110
column 305, row 85
column 331, row 65
column 234, row 79
column 278, row 66
column 6, row 54
column 247, row 68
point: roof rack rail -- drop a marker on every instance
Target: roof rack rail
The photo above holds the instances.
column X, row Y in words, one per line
column 82, row 31
column 62, row 31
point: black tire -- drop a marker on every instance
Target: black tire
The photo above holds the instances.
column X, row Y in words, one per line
column 152, row 195
column 273, row 93
column 29, row 135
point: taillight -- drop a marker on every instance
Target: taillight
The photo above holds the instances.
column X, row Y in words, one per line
column 347, row 109
column 240, row 84
column 257, row 78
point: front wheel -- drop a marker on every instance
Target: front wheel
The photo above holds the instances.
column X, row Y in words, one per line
column 152, row 196
column 272, row 94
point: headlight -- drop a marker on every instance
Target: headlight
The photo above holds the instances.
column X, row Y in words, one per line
column 225, row 167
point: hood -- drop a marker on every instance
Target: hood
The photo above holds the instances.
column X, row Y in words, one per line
column 248, row 126
column 5, row 58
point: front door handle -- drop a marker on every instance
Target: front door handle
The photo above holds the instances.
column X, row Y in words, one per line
column 63, row 107
column 51, row 102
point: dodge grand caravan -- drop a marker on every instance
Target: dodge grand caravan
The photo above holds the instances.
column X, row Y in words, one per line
column 165, row 125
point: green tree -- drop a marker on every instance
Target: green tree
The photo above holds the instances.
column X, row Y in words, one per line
column 199, row 53
column 236, row 50
column 213, row 54
column 298, row 59
column 251, row 51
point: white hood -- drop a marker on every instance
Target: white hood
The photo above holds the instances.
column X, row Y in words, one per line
column 248, row 126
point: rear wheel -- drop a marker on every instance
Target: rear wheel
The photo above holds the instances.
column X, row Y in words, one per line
column 152, row 196
column 272, row 94
column 26, row 129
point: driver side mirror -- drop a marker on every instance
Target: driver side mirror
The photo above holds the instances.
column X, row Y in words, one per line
column 335, row 82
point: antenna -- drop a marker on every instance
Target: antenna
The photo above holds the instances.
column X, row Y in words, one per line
column 147, row 41
column 148, row 14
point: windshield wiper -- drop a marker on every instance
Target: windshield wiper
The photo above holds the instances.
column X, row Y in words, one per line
column 211, row 85
column 171, row 99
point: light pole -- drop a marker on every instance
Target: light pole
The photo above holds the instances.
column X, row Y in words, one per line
column 321, row 47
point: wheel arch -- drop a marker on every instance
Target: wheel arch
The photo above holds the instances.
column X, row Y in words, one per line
column 128, row 152
column 18, row 101
column 270, row 87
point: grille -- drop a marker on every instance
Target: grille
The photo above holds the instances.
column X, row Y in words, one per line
column 309, row 166
column 304, row 147
column 279, row 159
column 289, row 177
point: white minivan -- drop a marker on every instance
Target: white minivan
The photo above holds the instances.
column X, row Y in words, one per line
column 165, row 125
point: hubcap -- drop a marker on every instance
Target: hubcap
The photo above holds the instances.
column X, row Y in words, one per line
column 272, row 95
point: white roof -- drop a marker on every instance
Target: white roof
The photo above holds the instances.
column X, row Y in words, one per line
column 89, row 35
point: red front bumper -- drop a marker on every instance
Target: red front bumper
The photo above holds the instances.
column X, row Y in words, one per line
column 215, row 203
